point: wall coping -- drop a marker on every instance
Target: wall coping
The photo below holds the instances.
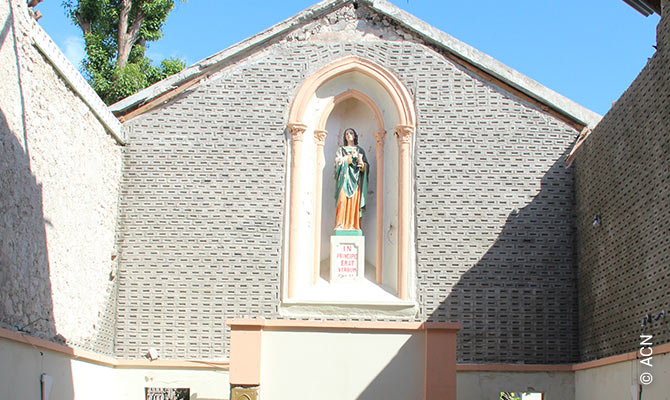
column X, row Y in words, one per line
column 247, row 324
column 46, row 46
column 633, row 355
column 515, row 367
column 114, row 362
column 110, row 361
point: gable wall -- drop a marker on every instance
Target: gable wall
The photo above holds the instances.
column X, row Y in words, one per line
column 204, row 188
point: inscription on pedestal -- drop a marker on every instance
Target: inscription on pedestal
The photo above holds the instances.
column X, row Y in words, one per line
column 347, row 258
column 346, row 261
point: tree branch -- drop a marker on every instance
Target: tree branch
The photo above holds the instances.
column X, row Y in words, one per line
column 134, row 31
column 85, row 25
column 128, row 35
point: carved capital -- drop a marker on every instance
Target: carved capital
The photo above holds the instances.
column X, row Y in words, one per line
column 404, row 133
column 379, row 137
column 297, row 131
column 320, row 136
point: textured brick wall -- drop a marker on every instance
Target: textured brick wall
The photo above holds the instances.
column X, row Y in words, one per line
column 623, row 173
column 203, row 203
column 59, row 183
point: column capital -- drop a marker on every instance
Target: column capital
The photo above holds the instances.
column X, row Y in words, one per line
column 320, row 136
column 380, row 135
column 404, row 133
column 297, row 131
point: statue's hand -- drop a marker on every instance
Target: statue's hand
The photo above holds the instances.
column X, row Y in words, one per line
column 361, row 165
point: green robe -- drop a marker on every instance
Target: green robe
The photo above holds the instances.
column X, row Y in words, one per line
column 349, row 176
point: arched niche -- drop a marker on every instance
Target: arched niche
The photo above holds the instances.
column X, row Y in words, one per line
column 349, row 112
column 357, row 93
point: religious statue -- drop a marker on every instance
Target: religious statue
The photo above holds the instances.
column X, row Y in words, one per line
column 351, row 184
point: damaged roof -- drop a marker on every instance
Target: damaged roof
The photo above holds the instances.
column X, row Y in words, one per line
column 467, row 56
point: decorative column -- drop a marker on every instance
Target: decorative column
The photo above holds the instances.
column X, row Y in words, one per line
column 320, row 140
column 404, row 133
column 297, row 135
column 379, row 141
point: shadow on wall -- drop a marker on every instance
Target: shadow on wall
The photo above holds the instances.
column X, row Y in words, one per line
column 25, row 286
column 403, row 377
column 518, row 303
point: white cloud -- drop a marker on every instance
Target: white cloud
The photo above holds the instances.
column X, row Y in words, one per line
column 74, row 50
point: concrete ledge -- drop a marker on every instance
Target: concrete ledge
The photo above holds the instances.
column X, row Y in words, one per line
column 294, row 324
column 102, row 359
column 657, row 350
column 58, row 348
column 173, row 364
column 660, row 349
column 352, row 325
column 514, row 367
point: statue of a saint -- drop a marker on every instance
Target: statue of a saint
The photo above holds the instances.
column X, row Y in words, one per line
column 351, row 183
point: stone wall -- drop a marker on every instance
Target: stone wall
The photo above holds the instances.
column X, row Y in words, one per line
column 59, row 180
column 203, row 202
column 623, row 176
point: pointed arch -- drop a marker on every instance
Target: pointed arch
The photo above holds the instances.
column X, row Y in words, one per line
column 349, row 94
column 309, row 113
column 400, row 96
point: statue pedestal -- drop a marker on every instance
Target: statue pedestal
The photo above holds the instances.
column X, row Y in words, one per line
column 347, row 258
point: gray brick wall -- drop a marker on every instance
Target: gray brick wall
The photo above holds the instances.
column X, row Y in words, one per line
column 623, row 172
column 203, row 208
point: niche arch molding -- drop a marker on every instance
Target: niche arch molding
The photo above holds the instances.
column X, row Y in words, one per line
column 389, row 81
column 391, row 105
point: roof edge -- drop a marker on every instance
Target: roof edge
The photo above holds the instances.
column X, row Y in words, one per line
column 645, row 7
column 430, row 34
column 247, row 45
column 488, row 64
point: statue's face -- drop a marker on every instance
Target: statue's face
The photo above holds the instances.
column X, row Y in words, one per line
column 349, row 137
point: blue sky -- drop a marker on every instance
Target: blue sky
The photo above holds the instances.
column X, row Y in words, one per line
column 587, row 50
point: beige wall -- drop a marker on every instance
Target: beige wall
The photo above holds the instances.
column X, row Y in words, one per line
column 615, row 381
column 60, row 171
column 482, row 385
column 342, row 365
column 204, row 384
column 22, row 366
column 359, row 366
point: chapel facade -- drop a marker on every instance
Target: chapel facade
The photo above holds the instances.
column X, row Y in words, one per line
column 480, row 266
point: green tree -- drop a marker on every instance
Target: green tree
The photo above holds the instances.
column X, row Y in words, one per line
column 115, row 35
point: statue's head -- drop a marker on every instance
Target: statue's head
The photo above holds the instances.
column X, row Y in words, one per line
column 352, row 132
